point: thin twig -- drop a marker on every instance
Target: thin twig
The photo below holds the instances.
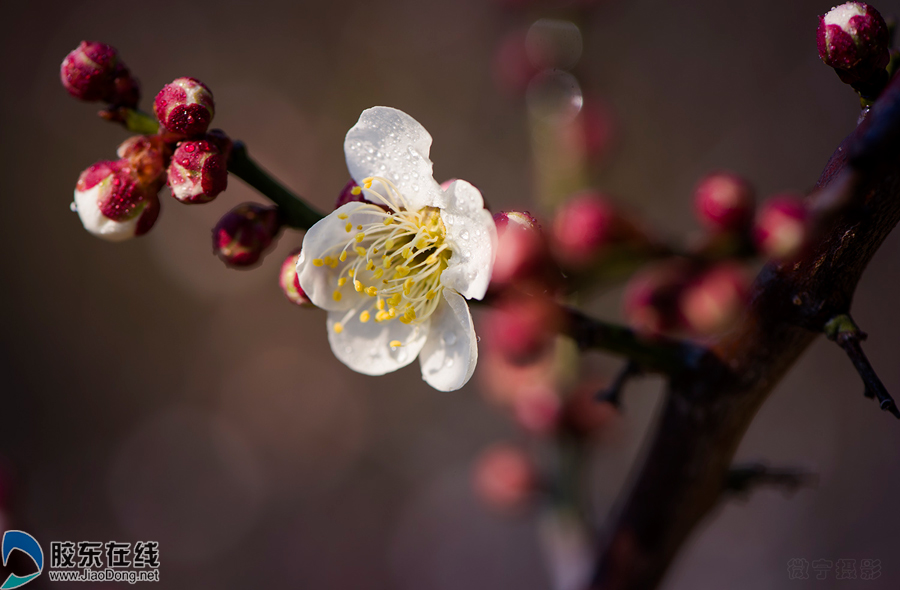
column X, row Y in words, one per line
column 743, row 479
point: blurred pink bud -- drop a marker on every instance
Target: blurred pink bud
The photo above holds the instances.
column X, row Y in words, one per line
column 781, row 227
column 185, row 107
column 198, row 172
column 521, row 328
column 724, row 202
column 651, row 298
column 245, row 233
column 513, row 69
column 583, row 414
column 582, row 227
column 714, row 301
column 537, row 409
column 88, row 71
column 854, row 40
column 147, row 156
column 504, row 477
column 113, row 204
column 522, row 253
column 290, row 282
column 597, row 125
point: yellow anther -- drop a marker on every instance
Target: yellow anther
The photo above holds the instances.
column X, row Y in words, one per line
column 371, row 291
column 349, row 227
column 360, row 237
column 338, row 328
column 405, row 320
column 406, row 253
column 410, row 312
column 388, row 220
column 380, row 304
column 431, row 259
column 351, row 272
column 389, row 244
column 318, row 262
column 381, row 316
column 386, row 262
column 358, row 286
column 378, row 273
column 374, row 250
column 360, row 250
column 336, row 295
column 402, row 271
column 392, row 312
column 342, row 281
column 359, row 227
column 342, row 216
column 396, row 344
column 343, row 256
column 370, row 265
column 395, row 299
column 430, row 295
column 421, row 243
column 355, row 190
column 328, row 260
column 364, row 317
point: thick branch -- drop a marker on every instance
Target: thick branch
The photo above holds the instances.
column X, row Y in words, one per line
column 706, row 414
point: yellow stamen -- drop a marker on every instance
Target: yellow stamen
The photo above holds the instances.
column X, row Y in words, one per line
column 336, row 295
column 360, row 237
column 342, row 216
column 360, row 250
column 364, row 317
column 371, row 291
column 343, row 256
column 338, row 328
column 355, row 190
column 342, row 281
column 318, row 262
column 349, row 227
column 396, row 344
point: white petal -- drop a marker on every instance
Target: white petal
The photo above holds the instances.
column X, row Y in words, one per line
column 320, row 282
column 451, row 352
column 365, row 347
column 98, row 224
column 391, row 144
column 473, row 237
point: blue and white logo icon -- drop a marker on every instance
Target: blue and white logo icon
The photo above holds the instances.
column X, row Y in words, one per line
column 25, row 543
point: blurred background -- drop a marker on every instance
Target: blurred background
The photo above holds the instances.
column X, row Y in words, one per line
column 150, row 393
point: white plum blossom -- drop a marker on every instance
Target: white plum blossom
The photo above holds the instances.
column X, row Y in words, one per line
column 394, row 273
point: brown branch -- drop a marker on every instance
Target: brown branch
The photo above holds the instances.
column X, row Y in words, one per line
column 708, row 412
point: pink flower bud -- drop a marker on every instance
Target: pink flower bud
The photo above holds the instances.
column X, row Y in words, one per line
column 582, row 227
column 112, row 202
column 583, row 414
column 504, row 477
column 245, row 233
column 537, row 409
column 651, row 298
column 290, row 282
column 853, row 39
column 513, row 69
column 198, row 172
column 724, row 202
column 781, row 227
column 521, row 328
column 523, row 255
column 714, row 301
column 88, row 72
column 185, row 107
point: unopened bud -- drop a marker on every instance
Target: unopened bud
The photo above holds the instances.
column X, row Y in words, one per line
column 504, row 477
column 781, row 227
column 198, row 172
column 87, row 72
column 537, row 409
column 290, row 282
column 147, row 156
column 853, row 39
column 185, row 107
column 113, row 204
column 582, row 227
column 522, row 327
column 522, row 253
column 724, row 202
column 651, row 298
column 245, row 233
column 714, row 301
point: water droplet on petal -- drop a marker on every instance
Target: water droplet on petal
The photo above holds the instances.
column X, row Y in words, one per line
column 464, row 234
column 73, row 206
column 449, row 338
column 448, row 362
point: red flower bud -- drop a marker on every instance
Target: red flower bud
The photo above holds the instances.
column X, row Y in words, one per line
column 522, row 253
column 290, row 282
column 147, row 156
column 853, row 39
column 521, row 328
column 651, row 297
column 185, row 107
column 198, row 172
column 113, row 203
column 504, row 477
column 724, row 202
column 245, row 233
column 513, row 69
column 537, row 409
column 88, row 71
column 583, row 414
column 781, row 227
column 715, row 300
column 582, row 227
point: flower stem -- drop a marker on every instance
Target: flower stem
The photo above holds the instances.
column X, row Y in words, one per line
column 294, row 211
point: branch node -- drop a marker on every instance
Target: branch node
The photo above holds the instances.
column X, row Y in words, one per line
column 613, row 393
